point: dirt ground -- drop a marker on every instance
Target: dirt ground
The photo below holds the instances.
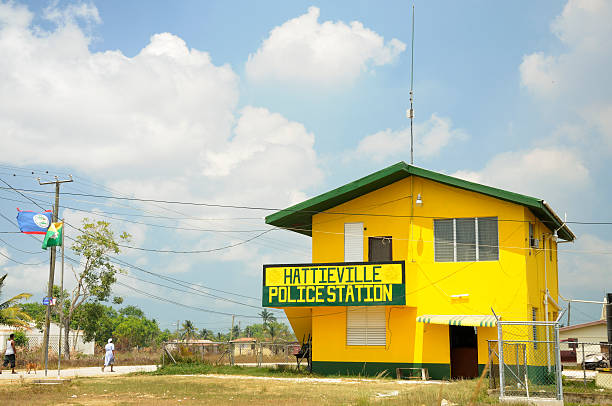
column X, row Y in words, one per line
column 239, row 390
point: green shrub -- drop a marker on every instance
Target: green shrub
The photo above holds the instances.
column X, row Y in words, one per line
column 21, row 340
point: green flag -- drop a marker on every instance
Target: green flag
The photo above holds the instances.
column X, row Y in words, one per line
column 53, row 238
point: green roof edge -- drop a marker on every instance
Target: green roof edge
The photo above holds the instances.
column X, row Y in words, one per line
column 384, row 177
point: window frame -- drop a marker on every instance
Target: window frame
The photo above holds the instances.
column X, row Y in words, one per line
column 477, row 244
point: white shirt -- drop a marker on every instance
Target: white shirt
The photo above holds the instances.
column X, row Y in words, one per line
column 110, row 347
column 9, row 348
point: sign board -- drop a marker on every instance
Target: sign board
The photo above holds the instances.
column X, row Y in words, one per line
column 334, row 284
column 49, row 301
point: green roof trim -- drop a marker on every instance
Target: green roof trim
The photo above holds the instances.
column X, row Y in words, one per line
column 299, row 217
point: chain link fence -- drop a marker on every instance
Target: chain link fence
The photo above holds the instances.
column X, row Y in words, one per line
column 586, row 366
column 525, row 360
column 244, row 353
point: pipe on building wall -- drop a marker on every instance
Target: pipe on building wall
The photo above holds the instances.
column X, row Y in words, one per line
column 546, row 295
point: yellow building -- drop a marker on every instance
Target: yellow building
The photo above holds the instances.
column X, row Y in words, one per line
column 407, row 265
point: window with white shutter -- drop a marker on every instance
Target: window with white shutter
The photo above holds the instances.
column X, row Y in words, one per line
column 353, row 242
column 466, row 239
column 366, row 325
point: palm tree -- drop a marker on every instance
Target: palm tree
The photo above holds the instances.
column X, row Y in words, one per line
column 206, row 334
column 267, row 317
column 189, row 329
column 273, row 330
column 10, row 314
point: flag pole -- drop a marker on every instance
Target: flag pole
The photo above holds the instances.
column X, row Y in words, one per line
column 57, row 183
column 61, row 308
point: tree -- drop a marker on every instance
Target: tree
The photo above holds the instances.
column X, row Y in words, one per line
column 97, row 321
column 10, row 313
column 206, row 334
column 132, row 311
column 267, row 317
column 134, row 331
column 235, row 332
column 279, row 332
column 94, row 281
column 188, row 330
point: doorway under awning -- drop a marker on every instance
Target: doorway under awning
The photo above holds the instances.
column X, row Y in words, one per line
column 459, row 320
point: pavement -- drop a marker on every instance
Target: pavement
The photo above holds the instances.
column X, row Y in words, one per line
column 579, row 374
column 6, row 375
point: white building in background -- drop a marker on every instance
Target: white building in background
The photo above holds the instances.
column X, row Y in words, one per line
column 594, row 332
column 35, row 339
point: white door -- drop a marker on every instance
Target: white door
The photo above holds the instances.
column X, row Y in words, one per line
column 353, row 242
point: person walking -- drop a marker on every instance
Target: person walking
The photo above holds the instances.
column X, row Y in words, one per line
column 9, row 354
column 109, row 355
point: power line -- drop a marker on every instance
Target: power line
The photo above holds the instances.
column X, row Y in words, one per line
column 21, row 263
column 20, row 250
column 196, row 292
column 231, row 206
column 185, row 305
column 124, row 263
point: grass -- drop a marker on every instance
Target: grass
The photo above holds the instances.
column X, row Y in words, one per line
column 207, row 368
column 200, row 390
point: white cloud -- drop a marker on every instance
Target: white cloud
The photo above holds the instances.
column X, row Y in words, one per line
column 3, row 257
column 575, row 84
column 585, row 268
column 539, row 172
column 430, row 137
column 87, row 13
column 105, row 111
column 304, row 50
column 161, row 124
column 166, row 116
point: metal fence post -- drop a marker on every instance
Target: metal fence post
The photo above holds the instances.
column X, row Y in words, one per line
column 526, row 373
column 500, row 357
column 558, row 366
column 583, row 365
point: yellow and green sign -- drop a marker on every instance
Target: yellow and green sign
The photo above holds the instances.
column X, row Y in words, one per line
column 334, row 284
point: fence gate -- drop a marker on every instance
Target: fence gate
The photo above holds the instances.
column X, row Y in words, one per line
column 528, row 358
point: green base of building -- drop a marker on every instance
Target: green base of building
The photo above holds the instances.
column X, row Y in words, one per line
column 436, row 371
column 537, row 374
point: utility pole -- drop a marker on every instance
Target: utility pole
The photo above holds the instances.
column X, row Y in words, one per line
column 57, row 183
column 232, row 330
column 61, row 308
column 177, row 329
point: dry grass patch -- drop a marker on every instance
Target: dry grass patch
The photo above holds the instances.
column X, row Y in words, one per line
column 216, row 390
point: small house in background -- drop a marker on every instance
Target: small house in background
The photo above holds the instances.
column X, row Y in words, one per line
column 35, row 339
column 244, row 346
column 581, row 340
column 406, row 266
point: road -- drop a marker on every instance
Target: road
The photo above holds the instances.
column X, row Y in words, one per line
column 74, row 372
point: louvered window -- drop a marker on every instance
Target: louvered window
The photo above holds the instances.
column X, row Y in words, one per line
column 353, row 242
column 366, row 325
column 466, row 239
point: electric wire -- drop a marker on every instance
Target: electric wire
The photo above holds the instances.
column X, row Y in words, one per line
column 194, row 292
column 20, row 250
column 185, row 305
column 261, row 208
column 19, row 262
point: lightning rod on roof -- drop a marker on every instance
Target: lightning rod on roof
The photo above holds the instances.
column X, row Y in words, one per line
column 410, row 112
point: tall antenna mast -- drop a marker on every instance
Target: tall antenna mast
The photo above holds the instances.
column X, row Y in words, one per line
column 411, row 111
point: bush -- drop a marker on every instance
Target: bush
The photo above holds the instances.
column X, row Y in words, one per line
column 21, row 340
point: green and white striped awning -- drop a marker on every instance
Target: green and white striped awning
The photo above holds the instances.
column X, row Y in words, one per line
column 459, row 320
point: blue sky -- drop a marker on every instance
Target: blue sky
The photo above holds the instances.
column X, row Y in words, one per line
column 267, row 103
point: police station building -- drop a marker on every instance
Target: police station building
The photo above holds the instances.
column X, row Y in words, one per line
column 406, row 266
